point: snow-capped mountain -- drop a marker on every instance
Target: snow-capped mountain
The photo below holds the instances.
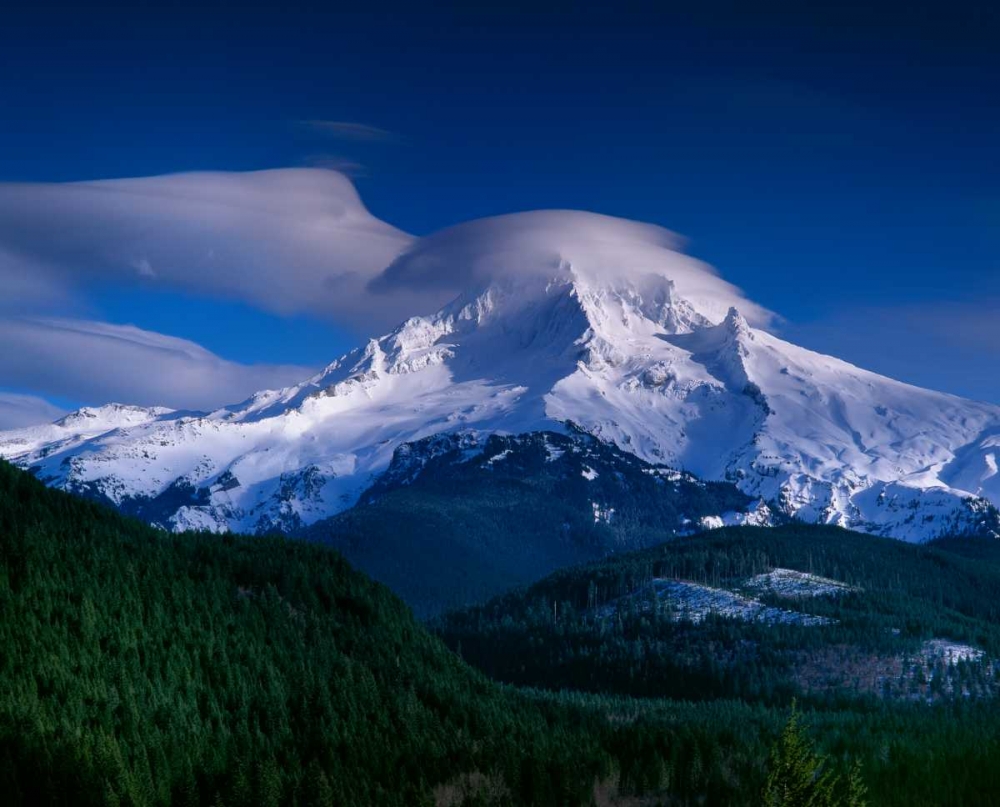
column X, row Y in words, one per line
column 562, row 318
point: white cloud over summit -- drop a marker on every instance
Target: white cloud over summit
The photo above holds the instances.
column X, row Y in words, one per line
column 289, row 242
column 547, row 242
column 296, row 241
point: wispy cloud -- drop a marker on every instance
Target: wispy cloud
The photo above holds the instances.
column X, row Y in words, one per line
column 335, row 162
column 287, row 241
column 17, row 411
column 290, row 241
column 349, row 130
column 99, row 362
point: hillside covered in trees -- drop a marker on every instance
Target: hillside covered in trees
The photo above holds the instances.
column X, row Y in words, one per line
column 759, row 614
column 139, row 667
column 143, row 668
column 893, row 647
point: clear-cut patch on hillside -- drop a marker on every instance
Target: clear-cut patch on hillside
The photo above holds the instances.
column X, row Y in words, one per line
column 694, row 602
column 936, row 670
column 797, row 585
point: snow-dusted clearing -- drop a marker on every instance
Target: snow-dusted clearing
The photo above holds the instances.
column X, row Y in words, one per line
column 934, row 672
column 797, row 585
column 694, row 602
column 949, row 652
column 560, row 317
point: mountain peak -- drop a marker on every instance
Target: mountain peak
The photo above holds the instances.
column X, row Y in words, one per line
column 558, row 318
column 736, row 323
column 122, row 414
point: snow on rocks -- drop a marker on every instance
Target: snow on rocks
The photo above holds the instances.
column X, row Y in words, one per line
column 498, row 457
column 552, row 453
column 76, row 428
column 602, row 514
column 758, row 515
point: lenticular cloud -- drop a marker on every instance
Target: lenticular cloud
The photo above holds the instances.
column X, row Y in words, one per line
column 18, row 410
column 301, row 241
column 551, row 243
column 287, row 241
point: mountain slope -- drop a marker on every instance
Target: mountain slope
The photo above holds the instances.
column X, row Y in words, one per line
column 457, row 519
column 561, row 318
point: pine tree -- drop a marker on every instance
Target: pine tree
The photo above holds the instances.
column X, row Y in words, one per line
column 797, row 776
column 316, row 788
column 857, row 790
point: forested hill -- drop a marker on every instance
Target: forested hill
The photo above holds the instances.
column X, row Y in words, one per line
column 762, row 614
column 139, row 668
column 144, row 668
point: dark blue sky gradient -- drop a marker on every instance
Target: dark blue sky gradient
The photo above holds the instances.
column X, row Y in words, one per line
column 826, row 160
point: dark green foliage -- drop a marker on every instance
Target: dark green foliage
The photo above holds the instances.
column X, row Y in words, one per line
column 143, row 668
column 138, row 667
column 856, row 791
column 796, row 775
column 557, row 634
column 799, row 777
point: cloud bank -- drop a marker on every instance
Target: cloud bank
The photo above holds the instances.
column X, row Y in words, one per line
column 17, row 411
column 295, row 241
column 100, row 362
column 287, row 241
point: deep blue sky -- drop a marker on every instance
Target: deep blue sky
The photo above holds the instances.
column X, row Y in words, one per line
column 839, row 164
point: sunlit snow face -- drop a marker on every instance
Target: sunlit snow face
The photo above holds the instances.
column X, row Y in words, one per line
column 591, row 248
